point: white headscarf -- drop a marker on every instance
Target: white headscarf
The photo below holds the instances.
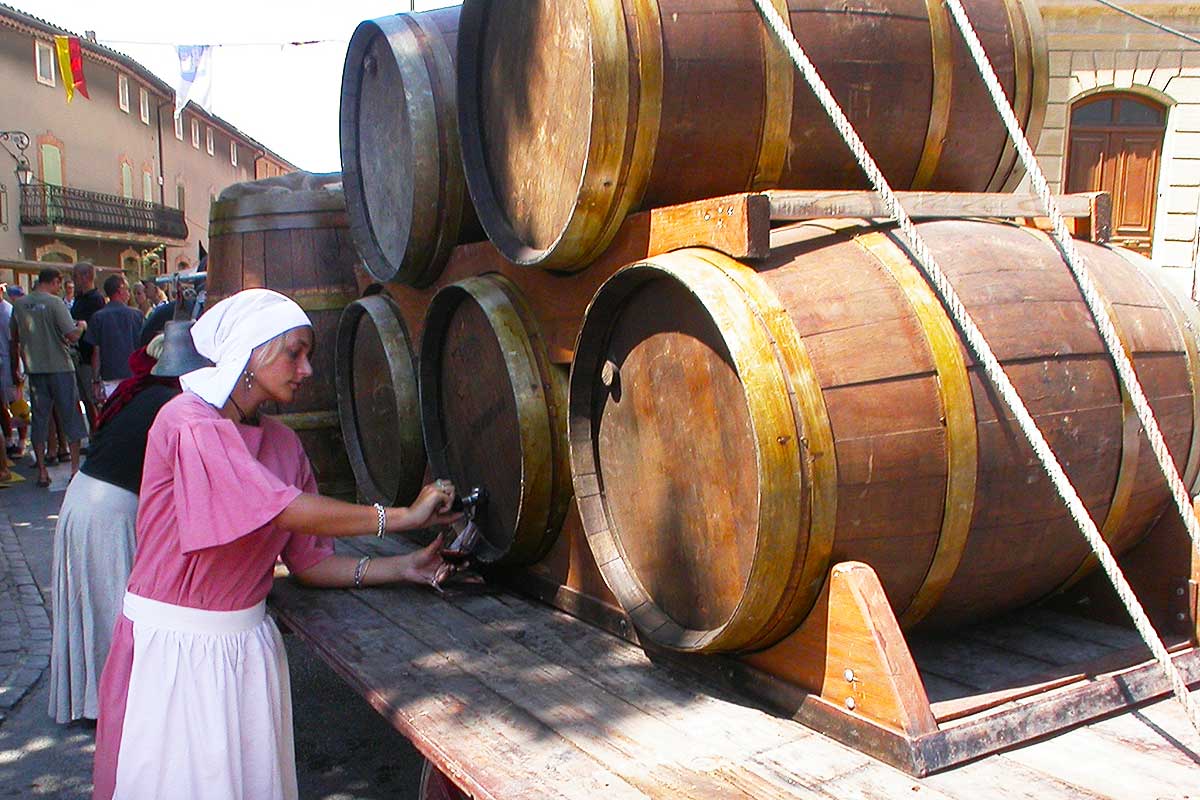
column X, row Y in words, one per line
column 228, row 332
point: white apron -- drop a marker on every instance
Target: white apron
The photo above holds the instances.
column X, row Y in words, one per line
column 209, row 712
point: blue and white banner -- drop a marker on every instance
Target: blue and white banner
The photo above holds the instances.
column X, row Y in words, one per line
column 195, row 77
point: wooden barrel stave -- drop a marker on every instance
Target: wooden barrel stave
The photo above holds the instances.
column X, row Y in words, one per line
column 493, row 414
column 949, row 545
column 378, row 405
column 295, row 243
column 405, row 192
column 609, row 96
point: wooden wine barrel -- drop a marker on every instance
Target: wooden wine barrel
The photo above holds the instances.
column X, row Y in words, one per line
column 378, row 404
column 297, row 243
column 403, row 176
column 493, row 409
column 573, row 114
column 734, row 433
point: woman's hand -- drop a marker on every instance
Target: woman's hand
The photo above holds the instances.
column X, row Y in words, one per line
column 427, row 566
column 424, row 567
column 432, row 506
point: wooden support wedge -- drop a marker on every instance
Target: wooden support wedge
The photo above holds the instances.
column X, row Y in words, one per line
column 850, row 651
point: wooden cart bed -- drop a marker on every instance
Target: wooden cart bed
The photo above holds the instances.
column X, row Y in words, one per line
column 513, row 699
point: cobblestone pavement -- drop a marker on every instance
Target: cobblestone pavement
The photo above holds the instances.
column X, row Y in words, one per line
column 24, row 624
column 344, row 750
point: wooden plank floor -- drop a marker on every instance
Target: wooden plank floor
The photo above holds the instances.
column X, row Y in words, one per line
column 516, row 700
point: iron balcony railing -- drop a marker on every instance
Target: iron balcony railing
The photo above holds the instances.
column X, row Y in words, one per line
column 45, row 204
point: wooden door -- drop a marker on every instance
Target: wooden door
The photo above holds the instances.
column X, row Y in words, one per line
column 1115, row 146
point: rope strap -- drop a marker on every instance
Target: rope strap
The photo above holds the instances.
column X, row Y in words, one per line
column 974, row 338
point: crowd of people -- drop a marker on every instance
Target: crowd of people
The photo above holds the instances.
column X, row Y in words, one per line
column 64, row 346
column 169, row 532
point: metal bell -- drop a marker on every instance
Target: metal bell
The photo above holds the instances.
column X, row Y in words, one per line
column 179, row 354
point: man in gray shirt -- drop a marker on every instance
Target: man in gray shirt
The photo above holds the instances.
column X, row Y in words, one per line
column 113, row 333
column 45, row 327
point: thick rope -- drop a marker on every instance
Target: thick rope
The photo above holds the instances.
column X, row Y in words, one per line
column 1091, row 295
column 1108, row 332
column 982, row 351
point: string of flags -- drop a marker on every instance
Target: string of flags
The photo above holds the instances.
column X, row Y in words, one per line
column 195, row 76
column 194, row 83
column 195, row 72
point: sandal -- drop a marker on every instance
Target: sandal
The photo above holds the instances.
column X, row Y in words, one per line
column 64, row 456
column 43, row 482
column 51, row 460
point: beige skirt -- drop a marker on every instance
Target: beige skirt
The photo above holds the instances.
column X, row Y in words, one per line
column 93, row 553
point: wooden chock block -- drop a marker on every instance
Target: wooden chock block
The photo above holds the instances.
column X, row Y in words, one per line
column 1164, row 571
column 850, row 651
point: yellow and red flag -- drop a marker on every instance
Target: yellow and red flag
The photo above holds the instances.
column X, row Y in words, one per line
column 70, row 65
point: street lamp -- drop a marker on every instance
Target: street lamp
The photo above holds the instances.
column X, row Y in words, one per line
column 19, row 140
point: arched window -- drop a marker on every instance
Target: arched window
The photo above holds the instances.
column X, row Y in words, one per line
column 56, row 252
column 1115, row 146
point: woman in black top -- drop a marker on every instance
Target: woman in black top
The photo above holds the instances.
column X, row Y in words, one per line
column 94, row 537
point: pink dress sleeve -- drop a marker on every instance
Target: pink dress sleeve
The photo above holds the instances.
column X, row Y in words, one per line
column 303, row 551
column 221, row 491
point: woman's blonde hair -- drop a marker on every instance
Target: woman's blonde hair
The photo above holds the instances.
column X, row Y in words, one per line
column 272, row 349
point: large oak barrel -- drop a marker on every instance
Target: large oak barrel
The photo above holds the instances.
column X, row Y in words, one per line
column 405, row 191
column 493, row 409
column 378, row 404
column 734, row 433
column 575, row 113
column 296, row 242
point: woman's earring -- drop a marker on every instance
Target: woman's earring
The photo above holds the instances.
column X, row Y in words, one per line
column 249, row 380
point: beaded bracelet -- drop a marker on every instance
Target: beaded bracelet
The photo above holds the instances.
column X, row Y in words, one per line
column 360, row 570
column 382, row 512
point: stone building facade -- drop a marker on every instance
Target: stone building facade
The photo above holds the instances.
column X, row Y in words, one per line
column 1124, row 115
column 114, row 177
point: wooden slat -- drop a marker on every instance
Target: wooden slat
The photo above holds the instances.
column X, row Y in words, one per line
column 982, row 778
column 512, row 699
column 1052, row 647
column 488, row 745
column 816, row 763
column 653, row 754
column 789, row 205
column 978, row 665
column 1110, row 757
column 603, row 725
column 1055, row 711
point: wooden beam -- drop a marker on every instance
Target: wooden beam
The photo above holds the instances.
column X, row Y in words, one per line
column 790, row 205
column 738, row 225
column 1053, row 711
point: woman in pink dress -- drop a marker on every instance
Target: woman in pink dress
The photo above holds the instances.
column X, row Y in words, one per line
column 194, row 699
